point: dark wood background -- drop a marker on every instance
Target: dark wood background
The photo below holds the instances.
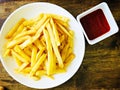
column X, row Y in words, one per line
column 100, row 69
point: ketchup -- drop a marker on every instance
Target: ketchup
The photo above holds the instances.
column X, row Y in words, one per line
column 95, row 24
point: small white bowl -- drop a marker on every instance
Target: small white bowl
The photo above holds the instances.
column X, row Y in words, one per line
column 106, row 11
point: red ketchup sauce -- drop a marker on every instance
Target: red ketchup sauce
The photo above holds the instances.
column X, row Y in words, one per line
column 95, row 24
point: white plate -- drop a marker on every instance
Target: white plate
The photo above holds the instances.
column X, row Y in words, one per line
column 29, row 11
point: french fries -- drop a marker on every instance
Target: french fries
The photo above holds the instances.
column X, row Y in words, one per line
column 13, row 30
column 41, row 46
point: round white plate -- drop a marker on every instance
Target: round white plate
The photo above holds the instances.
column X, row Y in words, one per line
column 29, row 11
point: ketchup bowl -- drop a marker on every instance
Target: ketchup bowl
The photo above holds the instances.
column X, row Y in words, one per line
column 97, row 23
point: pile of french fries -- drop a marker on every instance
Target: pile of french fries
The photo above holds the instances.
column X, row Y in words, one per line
column 41, row 46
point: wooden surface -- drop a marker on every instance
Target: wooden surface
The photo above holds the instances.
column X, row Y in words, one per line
column 100, row 69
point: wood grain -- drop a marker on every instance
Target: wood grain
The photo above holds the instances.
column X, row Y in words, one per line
column 100, row 69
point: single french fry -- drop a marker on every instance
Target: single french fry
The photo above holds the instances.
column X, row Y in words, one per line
column 55, row 32
column 7, row 52
column 70, row 50
column 49, row 76
column 65, row 24
column 55, row 48
column 59, row 17
column 59, row 30
column 26, row 43
column 63, row 52
column 59, row 70
column 40, row 52
column 41, row 22
column 71, row 40
column 12, row 43
column 54, row 62
column 35, row 78
column 28, row 22
column 40, row 73
column 50, row 52
column 69, row 60
column 39, row 17
column 45, row 65
column 19, row 62
column 33, row 56
column 13, row 30
column 20, row 29
column 26, row 70
column 22, row 34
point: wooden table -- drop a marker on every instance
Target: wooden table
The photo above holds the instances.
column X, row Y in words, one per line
column 100, row 68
